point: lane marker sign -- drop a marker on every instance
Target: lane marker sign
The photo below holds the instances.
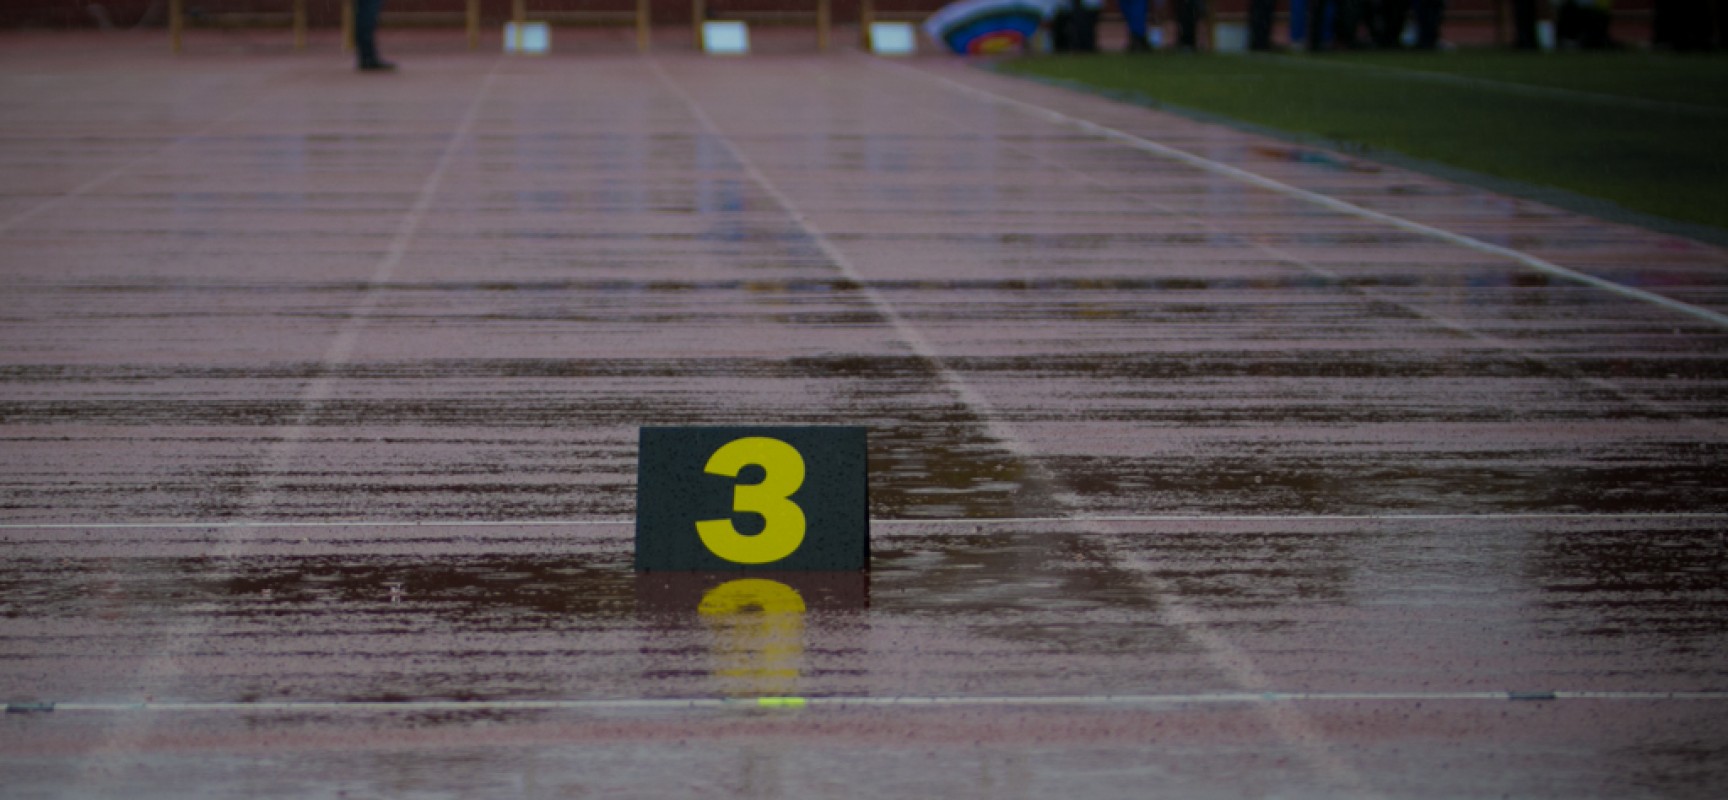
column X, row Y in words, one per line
column 752, row 498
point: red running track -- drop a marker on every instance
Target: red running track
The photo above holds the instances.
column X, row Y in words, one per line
column 1202, row 466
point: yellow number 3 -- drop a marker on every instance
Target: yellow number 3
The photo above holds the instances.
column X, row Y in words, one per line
column 784, row 528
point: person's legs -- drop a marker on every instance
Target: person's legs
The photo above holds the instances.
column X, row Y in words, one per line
column 1085, row 29
column 1345, row 20
column 1134, row 13
column 1260, row 23
column 366, row 33
column 1429, row 13
column 1062, row 30
column 1317, row 24
column 1187, row 13
column 1524, row 25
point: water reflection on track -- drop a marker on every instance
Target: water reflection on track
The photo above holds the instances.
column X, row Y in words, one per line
column 1345, row 460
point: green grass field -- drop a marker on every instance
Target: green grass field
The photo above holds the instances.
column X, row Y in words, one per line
column 1647, row 132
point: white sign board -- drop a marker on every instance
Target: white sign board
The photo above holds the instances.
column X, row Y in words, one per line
column 893, row 39
column 532, row 38
column 725, row 37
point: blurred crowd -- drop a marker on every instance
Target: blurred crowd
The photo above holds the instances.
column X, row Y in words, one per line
column 1318, row 25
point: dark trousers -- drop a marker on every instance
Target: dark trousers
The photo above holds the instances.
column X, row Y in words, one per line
column 366, row 30
column 1429, row 14
column 1386, row 21
column 1524, row 25
column 1074, row 30
column 1187, row 19
column 1346, row 18
column 1260, row 23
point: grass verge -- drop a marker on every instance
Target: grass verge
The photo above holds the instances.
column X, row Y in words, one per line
column 1642, row 131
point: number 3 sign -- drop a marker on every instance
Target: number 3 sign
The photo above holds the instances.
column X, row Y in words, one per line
column 752, row 498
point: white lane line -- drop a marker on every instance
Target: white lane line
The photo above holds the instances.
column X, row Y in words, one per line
column 887, row 522
column 672, row 704
column 163, row 667
column 913, row 338
column 1331, row 203
column 360, row 523
column 99, row 181
column 1704, row 427
column 1233, row 661
column 318, row 392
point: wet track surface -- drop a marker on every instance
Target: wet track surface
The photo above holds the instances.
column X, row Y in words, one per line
column 320, row 394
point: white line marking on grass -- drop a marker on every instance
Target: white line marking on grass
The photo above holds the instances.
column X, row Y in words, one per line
column 1331, row 203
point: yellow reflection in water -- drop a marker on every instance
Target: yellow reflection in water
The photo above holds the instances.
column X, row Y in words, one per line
column 759, row 635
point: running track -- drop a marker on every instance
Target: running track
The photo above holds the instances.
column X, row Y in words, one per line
column 1203, row 465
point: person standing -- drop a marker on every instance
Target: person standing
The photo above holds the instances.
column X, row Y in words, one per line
column 1386, row 20
column 1260, row 24
column 1429, row 15
column 1344, row 17
column 366, row 36
column 1187, row 20
column 1524, row 25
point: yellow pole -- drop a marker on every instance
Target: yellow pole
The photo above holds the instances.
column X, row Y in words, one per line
column 1210, row 18
column 176, row 23
column 347, row 26
column 866, row 16
column 299, row 24
column 642, row 25
column 519, row 14
column 822, row 25
column 697, row 12
column 473, row 24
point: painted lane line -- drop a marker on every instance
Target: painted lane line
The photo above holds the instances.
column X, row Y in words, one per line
column 318, row 393
column 841, row 703
column 1315, row 198
column 111, row 175
column 913, row 338
column 164, row 666
column 1703, row 516
column 1704, row 427
column 1229, row 659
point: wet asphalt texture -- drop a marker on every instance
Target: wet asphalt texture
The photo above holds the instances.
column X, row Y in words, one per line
column 320, row 395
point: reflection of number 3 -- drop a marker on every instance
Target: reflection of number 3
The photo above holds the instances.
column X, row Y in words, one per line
column 784, row 528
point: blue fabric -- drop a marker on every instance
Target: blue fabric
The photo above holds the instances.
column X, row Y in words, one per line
column 1134, row 11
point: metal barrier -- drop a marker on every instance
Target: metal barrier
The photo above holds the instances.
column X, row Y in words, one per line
column 638, row 16
column 177, row 23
